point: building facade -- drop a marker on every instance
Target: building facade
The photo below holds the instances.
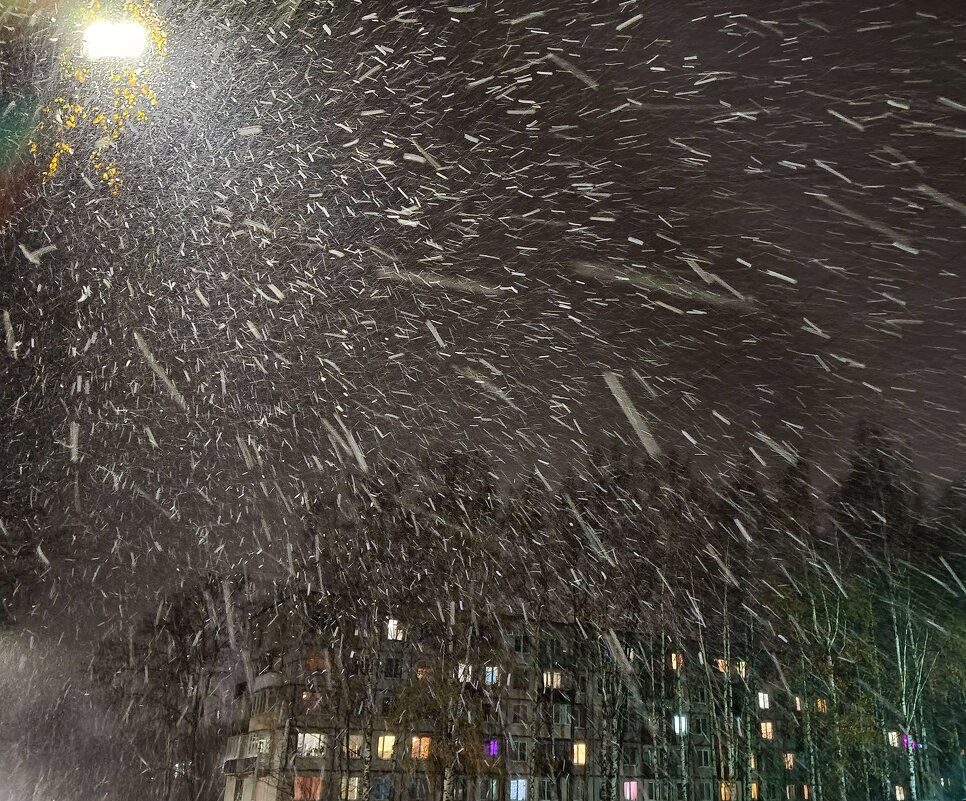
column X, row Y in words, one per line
column 454, row 708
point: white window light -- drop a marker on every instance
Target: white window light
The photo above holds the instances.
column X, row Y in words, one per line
column 350, row 788
column 552, row 679
column 518, row 790
column 491, row 675
column 259, row 742
column 764, row 701
column 310, row 743
column 394, row 631
column 680, row 724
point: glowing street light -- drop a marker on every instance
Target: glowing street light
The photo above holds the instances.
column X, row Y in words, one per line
column 123, row 39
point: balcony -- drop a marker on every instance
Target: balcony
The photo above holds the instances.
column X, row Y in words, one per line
column 308, row 764
column 240, row 766
column 266, row 680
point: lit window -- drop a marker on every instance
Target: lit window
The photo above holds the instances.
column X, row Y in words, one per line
column 754, row 791
column 353, row 746
column 789, row 760
column 464, row 672
column 722, row 665
column 311, row 703
column 310, row 744
column 385, row 746
column 350, row 788
column 764, row 702
column 805, row 793
column 821, row 705
column 900, row 792
column 491, row 675
column 894, row 739
column 492, row 748
column 630, row 791
column 394, row 631
column 767, row 730
column 741, row 668
column 798, row 703
column 552, row 679
column 752, row 761
column 728, row 791
column 580, row 753
column 305, row 788
column 259, row 742
column 420, row 748
column 423, row 672
column 677, row 661
column 315, row 662
column 518, row 790
column 680, row 724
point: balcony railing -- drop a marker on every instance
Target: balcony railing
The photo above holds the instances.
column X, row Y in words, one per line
column 240, row 766
column 265, row 680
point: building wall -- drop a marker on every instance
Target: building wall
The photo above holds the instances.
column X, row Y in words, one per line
column 656, row 722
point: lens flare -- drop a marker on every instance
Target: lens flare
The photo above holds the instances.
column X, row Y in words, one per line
column 120, row 40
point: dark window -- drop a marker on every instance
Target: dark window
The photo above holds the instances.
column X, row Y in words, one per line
column 393, row 668
column 417, row 788
column 489, row 789
column 518, row 750
column 382, row 788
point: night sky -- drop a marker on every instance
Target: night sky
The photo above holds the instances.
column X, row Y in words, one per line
column 388, row 228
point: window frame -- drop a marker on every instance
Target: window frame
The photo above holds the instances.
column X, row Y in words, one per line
column 381, row 743
column 419, row 746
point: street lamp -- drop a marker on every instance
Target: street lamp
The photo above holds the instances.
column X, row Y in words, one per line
column 124, row 39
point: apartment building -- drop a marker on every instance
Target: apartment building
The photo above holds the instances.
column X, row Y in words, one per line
column 454, row 707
